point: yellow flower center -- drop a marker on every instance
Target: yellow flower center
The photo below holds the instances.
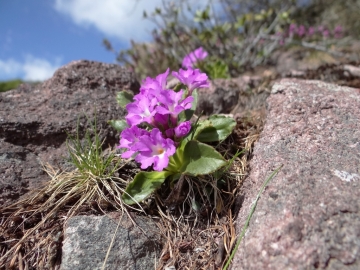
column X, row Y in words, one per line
column 160, row 151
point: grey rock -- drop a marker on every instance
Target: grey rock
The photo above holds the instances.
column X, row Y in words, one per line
column 352, row 70
column 309, row 215
column 87, row 240
column 20, row 170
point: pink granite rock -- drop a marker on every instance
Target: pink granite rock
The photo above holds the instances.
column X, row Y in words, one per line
column 309, row 215
column 34, row 120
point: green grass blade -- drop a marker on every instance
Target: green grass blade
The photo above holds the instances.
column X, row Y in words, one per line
column 249, row 217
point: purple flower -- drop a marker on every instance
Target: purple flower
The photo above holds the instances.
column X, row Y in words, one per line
column 338, row 32
column 178, row 132
column 163, row 121
column 128, row 138
column 182, row 129
column 311, row 31
column 154, row 149
column 301, row 31
column 160, row 108
column 170, row 133
column 338, row 29
column 171, row 103
column 292, row 28
column 152, row 87
column 192, row 78
column 141, row 110
column 190, row 60
column 320, row 28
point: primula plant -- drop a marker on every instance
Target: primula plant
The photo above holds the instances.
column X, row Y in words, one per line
column 159, row 134
column 214, row 67
column 194, row 57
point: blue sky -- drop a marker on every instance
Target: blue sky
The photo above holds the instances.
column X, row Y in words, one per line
column 39, row 36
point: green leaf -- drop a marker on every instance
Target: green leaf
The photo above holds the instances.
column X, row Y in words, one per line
column 216, row 128
column 119, row 125
column 240, row 21
column 226, row 27
column 216, row 69
column 143, row 185
column 178, row 87
column 195, row 129
column 176, row 161
column 124, row 97
column 158, row 10
column 200, row 127
column 200, row 159
column 284, row 15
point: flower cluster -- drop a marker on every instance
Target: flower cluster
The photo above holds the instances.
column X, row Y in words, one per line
column 300, row 31
column 192, row 58
column 192, row 78
column 158, row 109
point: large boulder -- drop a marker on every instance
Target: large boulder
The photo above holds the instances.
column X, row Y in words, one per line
column 309, row 215
column 34, row 120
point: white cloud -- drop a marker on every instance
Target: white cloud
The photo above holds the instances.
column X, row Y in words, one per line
column 118, row 18
column 9, row 67
column 31, row 69
column 37, row 69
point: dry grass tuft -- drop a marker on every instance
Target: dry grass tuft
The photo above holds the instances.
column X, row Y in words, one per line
column 33, row 227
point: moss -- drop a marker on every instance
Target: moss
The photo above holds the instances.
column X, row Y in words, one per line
column 9, row 85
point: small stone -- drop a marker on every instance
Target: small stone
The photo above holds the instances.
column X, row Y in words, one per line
column 87, row 240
